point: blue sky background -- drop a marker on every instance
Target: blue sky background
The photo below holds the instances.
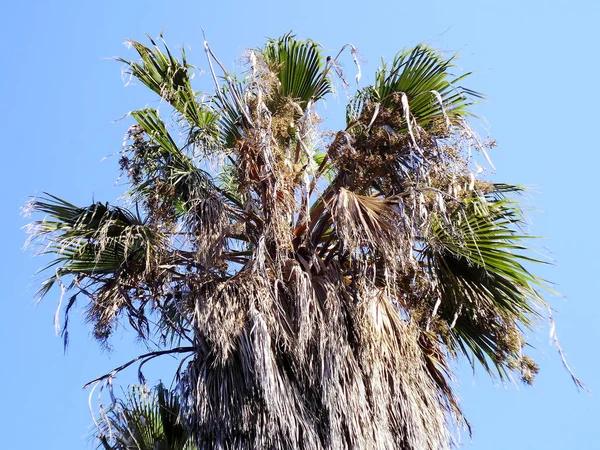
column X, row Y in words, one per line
column 536, row 61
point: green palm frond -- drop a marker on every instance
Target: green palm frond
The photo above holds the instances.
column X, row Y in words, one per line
column 156, row 129
column 230, row 117
column 94, row 240
column 160, row 162
column 419, row 81
column 355, row 107
column 146, row 420
column 105, row 251
column 67, row 216
column 485, row 289
column 171, row 79
column 299, row 67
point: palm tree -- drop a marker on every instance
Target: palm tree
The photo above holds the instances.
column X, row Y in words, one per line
column 318, row 285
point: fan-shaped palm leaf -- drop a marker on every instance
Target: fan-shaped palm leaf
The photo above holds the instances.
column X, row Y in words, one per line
column 299, row 67
column 160, row 162
column 485, row 290
column 95, row 240
column 146, row 420
column 418, row 86
column 170, row 79
column 105, row 250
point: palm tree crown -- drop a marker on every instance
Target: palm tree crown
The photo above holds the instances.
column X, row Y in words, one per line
column 318, row 285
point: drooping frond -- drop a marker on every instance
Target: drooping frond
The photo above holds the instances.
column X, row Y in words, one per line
column 105, row 250
column 485, row 291
column 94, row 240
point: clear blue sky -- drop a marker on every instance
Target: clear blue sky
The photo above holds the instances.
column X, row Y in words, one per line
column 537, row 61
